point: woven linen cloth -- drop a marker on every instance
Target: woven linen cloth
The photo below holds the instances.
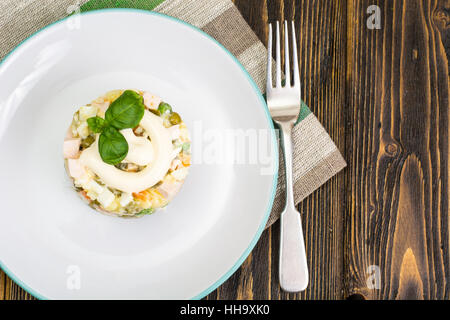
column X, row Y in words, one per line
column 316, row 158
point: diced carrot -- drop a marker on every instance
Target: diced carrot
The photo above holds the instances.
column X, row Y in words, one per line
column 186, row 160
column 143, row 195
column 84, row 194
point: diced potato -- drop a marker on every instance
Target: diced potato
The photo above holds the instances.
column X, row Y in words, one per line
column 106, row 198
column 125, row 199
column 87, row 112
column 94, row 186
column 83, row 180
column 83, row 130
column 91, row 194
column 114, row 205
column 74, row 131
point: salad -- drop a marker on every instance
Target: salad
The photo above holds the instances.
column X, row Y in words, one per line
column 127, row 153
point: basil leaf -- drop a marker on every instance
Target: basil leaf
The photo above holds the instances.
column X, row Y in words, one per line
column 126, row 111
column 112, row 146
column 96, row 124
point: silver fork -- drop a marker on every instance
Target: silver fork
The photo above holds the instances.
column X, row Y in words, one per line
column 284, row 107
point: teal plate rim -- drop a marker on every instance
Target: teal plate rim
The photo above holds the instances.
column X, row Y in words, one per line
column 256, row 237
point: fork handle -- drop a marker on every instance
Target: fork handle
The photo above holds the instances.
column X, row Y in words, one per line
column 293, row 268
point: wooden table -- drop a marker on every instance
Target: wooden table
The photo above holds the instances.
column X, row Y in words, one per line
column 383, row 95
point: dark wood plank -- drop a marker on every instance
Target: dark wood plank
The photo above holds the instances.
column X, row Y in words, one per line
column 322, row 47
column 398, row 150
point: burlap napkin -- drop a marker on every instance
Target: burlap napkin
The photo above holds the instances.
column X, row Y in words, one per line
column 316, row 158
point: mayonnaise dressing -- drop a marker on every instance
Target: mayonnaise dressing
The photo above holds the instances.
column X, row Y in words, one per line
column 140, row 149
column 161, row 158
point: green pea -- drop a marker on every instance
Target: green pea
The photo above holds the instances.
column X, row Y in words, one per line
column 186, row 146
column 164, row 107
column 175, row 118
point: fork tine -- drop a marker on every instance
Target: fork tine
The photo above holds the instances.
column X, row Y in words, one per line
column 287, row 65
column 278, row 56
column 294, row 57
column 269, row 59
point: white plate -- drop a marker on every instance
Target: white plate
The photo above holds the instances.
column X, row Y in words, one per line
column 55, row 246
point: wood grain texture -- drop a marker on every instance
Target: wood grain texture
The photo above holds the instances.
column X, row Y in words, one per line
column 398, row 151
column 383, row 96
column 322, row 52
